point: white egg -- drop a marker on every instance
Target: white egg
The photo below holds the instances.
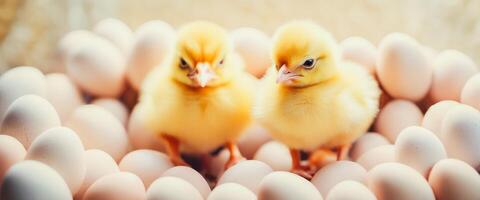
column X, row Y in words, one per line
column 252, row 139
column 419, row 148
column 453, row 179
column 435, row 114
column 247, row 173
column 283, row 185
column 97, row 67
column 451, row 72
column 336, row 172
column 61, row 149
column 172, row 188
column 114, row 106
column 29, row 180
column 63, row 94
column 471, row 92
column 11, row 152
column 99, row 129
column 27, row 117
column 350, row 190
column 20, row 81
column 460, row 134
column 231, row 191
column 402, row 67
column 142, row 137
column 216, row 163
column 254, row 47
column 360, row 51
column 190, row 175
column 116, row 32
column 146, row 164
column 98, row 164
column 118, row 186
column 395, row 116
column 276, row 155
column 70, row 41
column 395, row 181
column 376, row 156
column 366, row 142
column 153, row 41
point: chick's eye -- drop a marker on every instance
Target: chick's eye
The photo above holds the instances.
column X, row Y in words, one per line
column 183, row 64
column 308, row 64
column 221, row 62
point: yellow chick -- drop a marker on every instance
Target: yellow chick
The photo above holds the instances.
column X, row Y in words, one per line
column 200, row 98
column 310, row 99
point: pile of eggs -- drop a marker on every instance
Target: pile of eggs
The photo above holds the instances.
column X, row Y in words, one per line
column 78, row 135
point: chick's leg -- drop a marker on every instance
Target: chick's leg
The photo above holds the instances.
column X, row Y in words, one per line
column 297, row 167
column 343, row 152
column 320, row 158
column 235, row 155
column 173, row 150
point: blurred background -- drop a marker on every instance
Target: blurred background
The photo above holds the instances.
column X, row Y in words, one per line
column 30, row 29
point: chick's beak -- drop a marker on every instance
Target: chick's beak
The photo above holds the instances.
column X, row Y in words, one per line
column 286, row 76
column 204, row 74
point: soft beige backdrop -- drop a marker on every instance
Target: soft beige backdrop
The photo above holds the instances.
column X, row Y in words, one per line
column 29, row 29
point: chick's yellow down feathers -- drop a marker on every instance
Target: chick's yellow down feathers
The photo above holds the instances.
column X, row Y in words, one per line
column 200, row 96
column 309, row 98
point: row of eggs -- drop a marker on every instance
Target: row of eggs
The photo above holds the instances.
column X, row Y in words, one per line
column 34, row 104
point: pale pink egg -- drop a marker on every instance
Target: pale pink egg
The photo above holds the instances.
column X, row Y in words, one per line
column 460, row 134
column 419, row 148
column 69, row 42
column 336, row 172
column 283, row 185
column 395, row 116
column 451, row 71
column 27, row 117
column 169, row 187
column 20, row 81
column 471, row 92
column 98, row 164
column 216, row 163
column 254, row 47
column 247, row 173
column 231, row 191
column 61, row 149
column 99, row 129
column 116, row 32
column 402, row 67
column 29, row 180
column 252, row 139
column 114, row 106
column 435, row 114
column 11, row 152
column 97, row 67
column 366, row 142
column 190, row 175
column 153, row 41
column 276, row 155
column 395, row 181
column 360, row 51
column 376, row 156
column 350, row 190
column 63, row 94
column 139, row 134
column 146, row 164
column 454, row 179
column 118, row 186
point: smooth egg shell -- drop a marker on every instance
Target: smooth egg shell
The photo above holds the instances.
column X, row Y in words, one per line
column 350, row 190
column 283, row 185
column 116, row 32
column 366, row 142
column 276, row 155
column 99, row 129
column 118, row 186
column 360, row 51
column 61, row 149
column 247, row 173
column 402, row 67
column 395, row 116
column 419, row 148
column 252, row 139
column 142, row 137
column 254, row 47
column 146, row 164
column 434, row 116
column 11, row 152
column 471, row 92
column 190, row 175
column 395, row 181
column 63, row 94
column 231, row 191
column 29, row 180
column 114, row 106
column 376, row 156
column 172, row 188
column 336, row 172
column 27, row 117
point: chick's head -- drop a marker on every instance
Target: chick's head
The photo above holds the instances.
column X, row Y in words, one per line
column 304, row 54
column 202, row 56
